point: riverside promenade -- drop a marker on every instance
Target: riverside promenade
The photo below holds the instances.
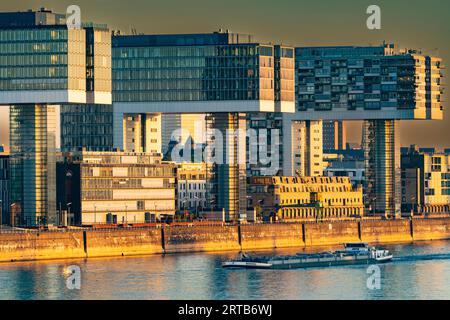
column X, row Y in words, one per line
column 27, row 245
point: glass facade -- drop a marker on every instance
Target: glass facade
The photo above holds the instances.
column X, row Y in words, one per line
column 38, row 59
column 32, row 161
column 98, row 60
column 96, row 131
column 42, row 62
column 270, row 124
column 382, row 162
column 368, row 78
column 229, row 179
column 191, row 73
column 4, row 188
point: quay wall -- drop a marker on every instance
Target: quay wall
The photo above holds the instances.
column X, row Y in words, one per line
column 40, row 246
column 89, row 243
column 200, row 239
column 104, row 243
column 431, row 229
column 317, row 234
column 271, row 236
column 386, row 231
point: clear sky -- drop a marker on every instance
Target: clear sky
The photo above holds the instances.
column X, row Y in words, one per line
column 411, row 23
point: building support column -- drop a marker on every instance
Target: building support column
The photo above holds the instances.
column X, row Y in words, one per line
column 230, row 167
column 33, row 164
column 382, row 164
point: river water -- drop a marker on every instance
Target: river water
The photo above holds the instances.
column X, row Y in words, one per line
column 419, row 271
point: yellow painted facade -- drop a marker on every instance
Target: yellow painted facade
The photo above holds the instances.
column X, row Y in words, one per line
column 303, row 198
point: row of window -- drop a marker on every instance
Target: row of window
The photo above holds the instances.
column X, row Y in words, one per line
column 305, row 213
column 35, row 84
column 12, row 73
column 192, row 186
column 185, row 95
column 191, row 51
column 178, row 84
column 185, row 62
column 192, row 73
column 13, row 35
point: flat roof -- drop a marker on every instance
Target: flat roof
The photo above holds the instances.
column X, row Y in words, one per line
column 197, row 39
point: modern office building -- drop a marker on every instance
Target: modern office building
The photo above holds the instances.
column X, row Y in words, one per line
column 222, row 74
column 380, row 85
column 425, row 181
column 115, row 187
column 306, row 198
column 44, row 63
column 334, row 135
column 4, row 188
column 86, row 126
column 265, row 130
column 192, row 187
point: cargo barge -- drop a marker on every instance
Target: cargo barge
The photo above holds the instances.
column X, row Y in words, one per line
column 354, row 254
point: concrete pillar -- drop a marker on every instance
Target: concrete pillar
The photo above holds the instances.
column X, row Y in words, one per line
column 382, row 162
column 288, row 156
column 33, row 163
column 118, row 128
column 230, row 168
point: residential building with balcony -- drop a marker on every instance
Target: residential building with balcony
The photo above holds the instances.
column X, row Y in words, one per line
column 425, row 181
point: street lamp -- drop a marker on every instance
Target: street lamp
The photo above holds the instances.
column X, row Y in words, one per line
column 68, row 212
column 196, row 205
column 211, row 206
column 12, row 214
column 412, row 206
column 59, row 214
column 183, row 205
column 373, row 206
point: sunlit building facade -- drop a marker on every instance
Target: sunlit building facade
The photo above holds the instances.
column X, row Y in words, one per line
column 4, row 187
column 222, row 74
column 380, row 85
column 44, row 63
column 425, row 178
column 142, row 133
column 265, row 145
column 334, row 135
column 116, row 187
column 192, row 187
column 306, row 198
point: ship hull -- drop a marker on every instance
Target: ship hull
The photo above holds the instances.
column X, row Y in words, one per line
column 308, row 263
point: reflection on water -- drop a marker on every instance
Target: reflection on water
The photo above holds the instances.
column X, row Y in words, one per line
column 420, row 271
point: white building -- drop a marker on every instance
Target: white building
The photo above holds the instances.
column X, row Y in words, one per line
column 307, row 148
column 192, row 187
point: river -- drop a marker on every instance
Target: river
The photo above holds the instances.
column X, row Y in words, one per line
column 419, row 271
